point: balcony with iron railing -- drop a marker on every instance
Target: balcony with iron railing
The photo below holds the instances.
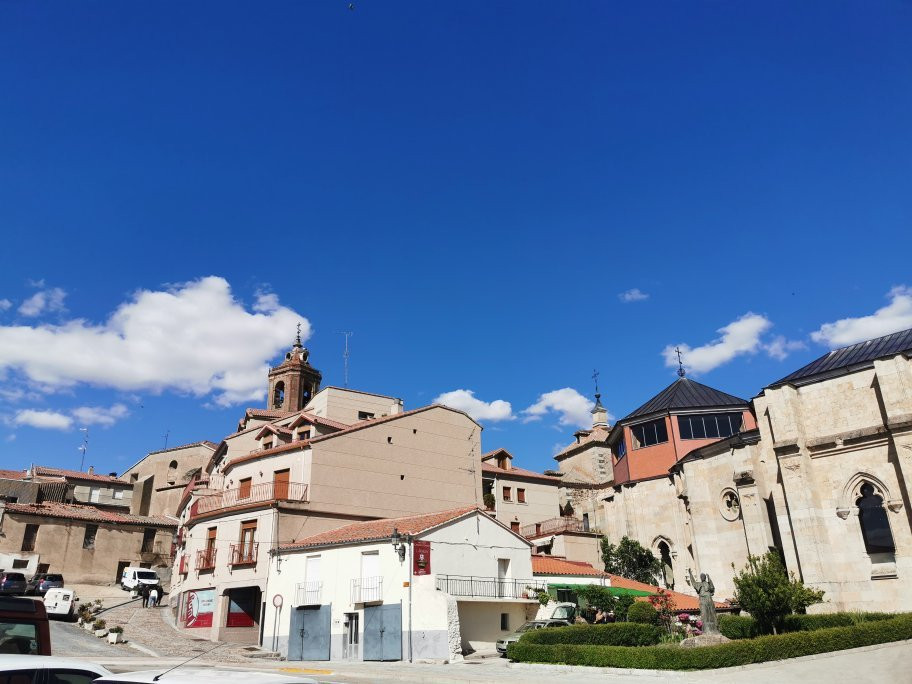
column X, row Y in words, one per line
column 195, row 482
column 490, row 587
column 244, row 553
column 205, row 560
column 264, row 492
column 566, row 523
column 308, row 593
column 367, row 590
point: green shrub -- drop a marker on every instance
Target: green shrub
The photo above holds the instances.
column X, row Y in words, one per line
column 734, row 653
column 744, row 627
column 769, row 594
column 642, row 612
column 616, row 634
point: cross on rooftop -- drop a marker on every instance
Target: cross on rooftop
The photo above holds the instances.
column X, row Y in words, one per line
column 681, row 371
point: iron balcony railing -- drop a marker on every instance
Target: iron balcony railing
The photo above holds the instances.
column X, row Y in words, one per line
column 244, row 553
column 263, row 492
column 565, row 523
column 205, row 559
column 490, row 587
column 308, row 593
column 367, row 590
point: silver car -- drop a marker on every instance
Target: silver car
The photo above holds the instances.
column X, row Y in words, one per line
column 528, row 627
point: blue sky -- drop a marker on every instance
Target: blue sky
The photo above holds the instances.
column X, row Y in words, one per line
column 470, row 187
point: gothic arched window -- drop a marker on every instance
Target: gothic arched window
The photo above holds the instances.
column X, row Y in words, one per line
column 278, row 396
column 667, row 567
column 875, row 528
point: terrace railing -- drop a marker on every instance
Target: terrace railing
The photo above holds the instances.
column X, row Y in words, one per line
column 490, row 587
column 263, row 492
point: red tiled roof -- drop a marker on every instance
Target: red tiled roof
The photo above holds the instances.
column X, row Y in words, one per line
column 42, row 471
column 371, row 530
column 492, row 454
column 550, row 565
column 79, row 512
column 519, row 473
column 205, row 443
column 681, row 601
column 598, row 434
column 267, row 413
column 307, row 417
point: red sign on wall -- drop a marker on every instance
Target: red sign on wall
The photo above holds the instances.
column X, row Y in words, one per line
column 421, row 558
column 200, row 605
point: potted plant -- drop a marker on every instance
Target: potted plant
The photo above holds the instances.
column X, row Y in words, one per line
column 88, row 623
column 115, row 634
column 100, row 628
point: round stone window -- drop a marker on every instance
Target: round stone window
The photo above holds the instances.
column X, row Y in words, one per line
column 730, row 505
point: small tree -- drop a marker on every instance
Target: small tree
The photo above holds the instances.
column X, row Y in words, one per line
column 766, row 591
column 665, row 608
column 631, row 560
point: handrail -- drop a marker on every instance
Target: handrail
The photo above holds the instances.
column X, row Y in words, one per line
column 566, row 523
column 244, row 553
column 490, row 587
column 367, row 590
column 259, row 493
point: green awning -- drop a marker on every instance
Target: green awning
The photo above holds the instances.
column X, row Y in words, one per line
column 614, row 591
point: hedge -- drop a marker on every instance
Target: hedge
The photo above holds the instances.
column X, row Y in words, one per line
column 744, row 627
column 615, row 634
column 741, row 652
column 642, row 612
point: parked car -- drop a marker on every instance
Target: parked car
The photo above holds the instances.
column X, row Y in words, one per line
column 38, row 669
column 61, row 603
column 24, row 627
column 528, row 627
column 12, row 584
column 134, row 578
column 40, row 583
column 193, row 675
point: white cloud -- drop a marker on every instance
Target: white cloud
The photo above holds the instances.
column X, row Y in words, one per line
column 573, row 407
column 780, row 347
column 895, row 316
column 634, row 295
column 741, row 336
column 464, row 400
column 45, row 420
column 99, row 415
column 50, row 301
column 11, row 437
column 194, row 338
column 5, row 304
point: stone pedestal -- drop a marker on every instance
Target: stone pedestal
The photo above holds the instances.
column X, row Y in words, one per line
column 704, row 640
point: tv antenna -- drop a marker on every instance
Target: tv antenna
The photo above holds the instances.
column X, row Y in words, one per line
column 166, row 435
column 346, row 353
column 84, row 447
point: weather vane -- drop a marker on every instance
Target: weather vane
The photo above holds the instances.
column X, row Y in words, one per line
column 681, row 371
column 595, row 376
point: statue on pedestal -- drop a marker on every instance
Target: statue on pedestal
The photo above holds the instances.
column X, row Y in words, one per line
column 705, row 589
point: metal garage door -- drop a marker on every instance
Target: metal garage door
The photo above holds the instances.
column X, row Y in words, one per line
column 308, row 638
column 382, row 632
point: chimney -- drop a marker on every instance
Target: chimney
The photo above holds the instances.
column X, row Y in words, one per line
column 91, row 470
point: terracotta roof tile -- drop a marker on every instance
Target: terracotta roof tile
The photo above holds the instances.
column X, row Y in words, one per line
column 550, row 565
column 520, row 473
column 79, row 512
column 12, row 474
column 371, row 530
column 42, row 471
column 308, row 417
column 681, row 601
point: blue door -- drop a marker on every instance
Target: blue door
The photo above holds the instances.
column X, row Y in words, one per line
column 382, row 632
column 308, row 636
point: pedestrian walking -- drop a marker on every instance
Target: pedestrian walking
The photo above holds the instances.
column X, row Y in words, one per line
column 153, row 597
column 144, row 592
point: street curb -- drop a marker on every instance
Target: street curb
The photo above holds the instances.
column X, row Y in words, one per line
column 633, row 672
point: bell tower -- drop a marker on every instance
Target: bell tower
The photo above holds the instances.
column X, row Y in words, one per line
column 294, row 382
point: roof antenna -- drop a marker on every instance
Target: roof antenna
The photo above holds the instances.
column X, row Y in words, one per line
column 346, row 354
column 681, row 371
column 84, row 447
column 166, row 435
column 159, row 676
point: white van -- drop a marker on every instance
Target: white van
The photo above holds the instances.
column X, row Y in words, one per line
column 135, row 578
column 60, row 603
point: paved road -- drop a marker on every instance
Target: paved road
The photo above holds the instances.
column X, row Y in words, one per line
column 70, row 640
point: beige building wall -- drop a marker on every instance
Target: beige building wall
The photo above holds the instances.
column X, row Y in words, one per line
column 345, row 405
column 103, row 494
column 59, row 544
column 542, row 500
column 159, row 478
